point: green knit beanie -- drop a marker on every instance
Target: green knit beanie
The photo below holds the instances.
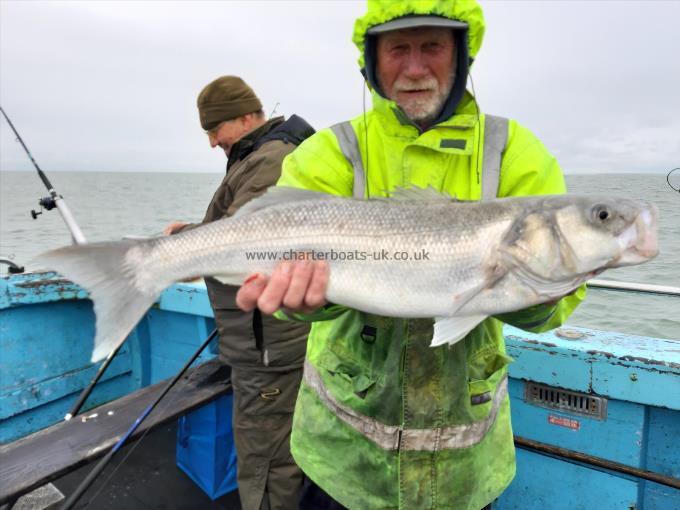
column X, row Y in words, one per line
column 226, row 98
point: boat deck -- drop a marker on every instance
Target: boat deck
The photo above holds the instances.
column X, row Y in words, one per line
column 148, row 479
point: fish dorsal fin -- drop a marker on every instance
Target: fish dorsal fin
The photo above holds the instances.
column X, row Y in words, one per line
column 415, row 193
column 277, row 195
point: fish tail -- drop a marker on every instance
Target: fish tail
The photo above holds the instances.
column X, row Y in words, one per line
column 117, row 275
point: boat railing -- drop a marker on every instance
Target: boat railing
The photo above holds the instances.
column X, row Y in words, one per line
column 642, row 288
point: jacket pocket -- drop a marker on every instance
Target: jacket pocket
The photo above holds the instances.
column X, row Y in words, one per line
column 347, row 377
column 485, row 375
column 284, row 343
column 259, row 393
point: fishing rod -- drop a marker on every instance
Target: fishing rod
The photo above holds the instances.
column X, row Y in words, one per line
column 54, row 200
column 85, row 484
column 49, row 203
column 273, row 111
column 75, row 409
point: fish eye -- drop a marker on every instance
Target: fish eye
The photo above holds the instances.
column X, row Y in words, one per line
column 601, row 213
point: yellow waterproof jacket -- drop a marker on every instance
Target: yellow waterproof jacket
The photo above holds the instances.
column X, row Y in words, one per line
column 382, row 419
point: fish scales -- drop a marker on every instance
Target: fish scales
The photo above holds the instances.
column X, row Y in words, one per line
column 416, row 287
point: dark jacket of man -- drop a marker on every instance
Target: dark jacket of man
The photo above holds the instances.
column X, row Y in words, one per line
column 254, row 339
column 266, row 354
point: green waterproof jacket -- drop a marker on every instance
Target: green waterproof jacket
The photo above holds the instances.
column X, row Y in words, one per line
column 383, row 420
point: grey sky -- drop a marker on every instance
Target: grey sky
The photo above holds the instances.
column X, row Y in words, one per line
column 112, row 85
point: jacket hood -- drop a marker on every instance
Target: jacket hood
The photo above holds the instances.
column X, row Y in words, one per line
column 468, row 40
column 382, row 11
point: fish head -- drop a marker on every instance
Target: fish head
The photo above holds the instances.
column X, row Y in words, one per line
column 606, row 232
column 573, row 238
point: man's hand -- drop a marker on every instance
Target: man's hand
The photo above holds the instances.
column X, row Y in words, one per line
column 298, row 286
column 173, row 227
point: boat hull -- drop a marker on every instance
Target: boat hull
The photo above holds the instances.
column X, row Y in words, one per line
column 610, row 399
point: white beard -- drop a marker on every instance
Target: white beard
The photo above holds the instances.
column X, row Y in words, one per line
column 423, row 110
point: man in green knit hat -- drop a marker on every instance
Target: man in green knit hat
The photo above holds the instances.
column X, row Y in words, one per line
column 265, row 354
column 383, row 420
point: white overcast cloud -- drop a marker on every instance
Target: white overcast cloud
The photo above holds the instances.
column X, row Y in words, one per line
column 112, row 86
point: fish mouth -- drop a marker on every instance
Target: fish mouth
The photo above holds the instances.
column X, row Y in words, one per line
column 647, row 243
column 639, row 241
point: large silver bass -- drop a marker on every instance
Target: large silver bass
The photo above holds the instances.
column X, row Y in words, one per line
column 418, row 254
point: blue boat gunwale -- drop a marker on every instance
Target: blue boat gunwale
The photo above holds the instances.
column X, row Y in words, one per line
column 48, row 286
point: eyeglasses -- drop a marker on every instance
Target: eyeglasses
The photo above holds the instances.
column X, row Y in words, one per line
column 213, row 131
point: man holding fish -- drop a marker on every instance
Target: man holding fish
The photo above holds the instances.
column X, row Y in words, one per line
column 403, row 402
column 367, row 376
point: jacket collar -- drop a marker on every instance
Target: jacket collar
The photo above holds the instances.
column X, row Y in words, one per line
column 245, row 145
column 395, row 121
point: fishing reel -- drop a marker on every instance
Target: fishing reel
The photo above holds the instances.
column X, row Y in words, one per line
column 47, row 203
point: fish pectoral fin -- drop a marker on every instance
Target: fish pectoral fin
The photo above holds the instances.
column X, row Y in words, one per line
column 452, row 329
column 495, row 272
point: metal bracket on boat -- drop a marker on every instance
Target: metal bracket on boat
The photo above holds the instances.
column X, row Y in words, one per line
column 13, row 268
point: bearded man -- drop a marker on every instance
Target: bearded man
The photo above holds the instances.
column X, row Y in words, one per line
column 383, row 420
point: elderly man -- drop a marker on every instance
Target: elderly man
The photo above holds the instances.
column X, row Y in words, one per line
column 265, row 354
column 383, row 420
